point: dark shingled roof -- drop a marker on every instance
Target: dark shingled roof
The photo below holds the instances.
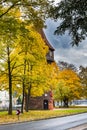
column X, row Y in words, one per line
column 46, row 41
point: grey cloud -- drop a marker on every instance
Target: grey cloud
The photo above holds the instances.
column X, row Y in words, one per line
column 63, row 49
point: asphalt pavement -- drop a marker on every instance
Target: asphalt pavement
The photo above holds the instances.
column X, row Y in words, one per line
column 80, row 127
column 74, row 122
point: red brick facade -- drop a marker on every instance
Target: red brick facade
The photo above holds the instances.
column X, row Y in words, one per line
column 44, row 102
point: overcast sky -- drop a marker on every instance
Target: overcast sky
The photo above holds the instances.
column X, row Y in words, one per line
column 63, row 49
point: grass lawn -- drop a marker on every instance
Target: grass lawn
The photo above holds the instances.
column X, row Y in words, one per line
column 38, row 114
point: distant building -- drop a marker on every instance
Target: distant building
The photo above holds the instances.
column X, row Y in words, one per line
column 4, row 100
column 46, row 100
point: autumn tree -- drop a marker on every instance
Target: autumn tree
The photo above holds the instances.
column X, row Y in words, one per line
column 22, row 60
column 7, row 73
column 32, row 56
column 30, row 11
column 72, row 15
column 52, row 73
column 83, row 77
column 14, row 16
column 7, row 44
column 68, row 87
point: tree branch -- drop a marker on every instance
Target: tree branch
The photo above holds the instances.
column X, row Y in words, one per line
column 8, row 9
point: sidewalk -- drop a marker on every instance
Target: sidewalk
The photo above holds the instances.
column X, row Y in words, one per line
column 81, row 127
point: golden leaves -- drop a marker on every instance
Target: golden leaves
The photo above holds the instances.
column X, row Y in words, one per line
column 68, row 85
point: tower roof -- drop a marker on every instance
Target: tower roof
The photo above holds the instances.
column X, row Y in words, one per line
column 46, row 41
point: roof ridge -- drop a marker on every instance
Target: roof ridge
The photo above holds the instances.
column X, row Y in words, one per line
column 46, row 40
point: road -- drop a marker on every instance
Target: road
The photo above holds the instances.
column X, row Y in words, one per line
column 62, row 123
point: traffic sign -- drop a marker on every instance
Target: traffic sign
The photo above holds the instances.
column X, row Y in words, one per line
column 18, row 112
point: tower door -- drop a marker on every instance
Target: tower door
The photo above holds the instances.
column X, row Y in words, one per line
column 45, row 103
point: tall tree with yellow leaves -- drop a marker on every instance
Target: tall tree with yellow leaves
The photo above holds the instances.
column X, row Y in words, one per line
column 22, row 60
column 83, row 77
column 32, row 56
column 7, row 45
column 69, row 86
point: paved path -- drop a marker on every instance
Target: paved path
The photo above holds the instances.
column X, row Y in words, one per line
column 81, row 127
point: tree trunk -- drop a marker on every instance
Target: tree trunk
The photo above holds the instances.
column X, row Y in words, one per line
column 61, row 103
column 23, row 98
column 10, row 97
column 27, row 95
column 26, row 102
column 27, row 99
column 23, row 93
column 10, row 83
column 65, row 100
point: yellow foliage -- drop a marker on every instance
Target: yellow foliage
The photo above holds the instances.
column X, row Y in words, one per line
column 52, row 74
column 68, row 85
column 30, row 52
